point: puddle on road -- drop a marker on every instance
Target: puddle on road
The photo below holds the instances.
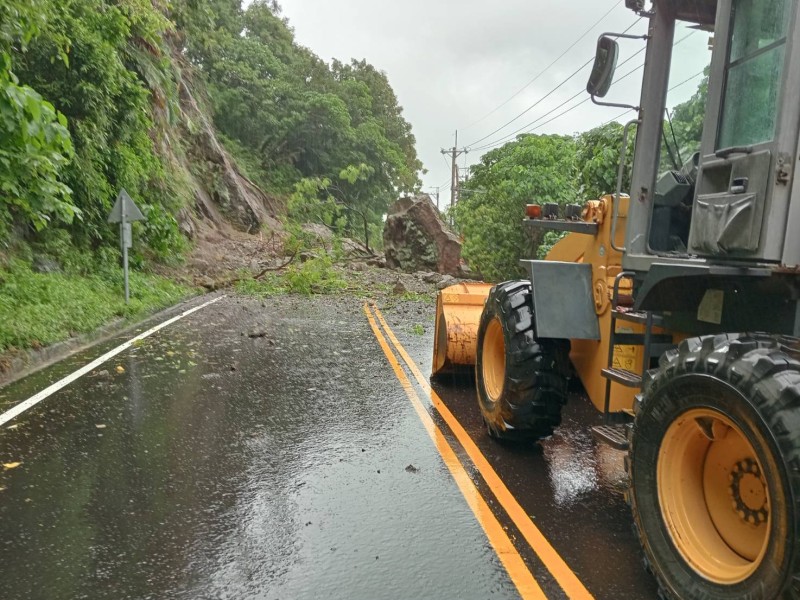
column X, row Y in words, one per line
column 577, row 465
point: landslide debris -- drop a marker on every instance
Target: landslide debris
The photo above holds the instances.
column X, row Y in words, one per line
column 416, row 239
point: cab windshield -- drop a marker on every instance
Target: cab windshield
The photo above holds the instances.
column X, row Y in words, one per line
column 753, row 72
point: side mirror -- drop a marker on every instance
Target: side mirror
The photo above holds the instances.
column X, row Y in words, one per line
column 605, row 62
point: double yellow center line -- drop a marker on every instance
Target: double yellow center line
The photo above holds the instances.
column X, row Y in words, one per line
column 518, row 571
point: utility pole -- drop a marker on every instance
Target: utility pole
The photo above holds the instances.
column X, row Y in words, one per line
column 437, row 197
column 454, row 153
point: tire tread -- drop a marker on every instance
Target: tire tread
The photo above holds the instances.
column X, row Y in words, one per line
column 535, row 386
column 766, row 370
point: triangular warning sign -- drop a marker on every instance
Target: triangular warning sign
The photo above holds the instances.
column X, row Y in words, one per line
column 125, row 206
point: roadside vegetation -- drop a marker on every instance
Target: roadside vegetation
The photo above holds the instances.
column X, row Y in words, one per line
column 174, row 101
column 38, row 309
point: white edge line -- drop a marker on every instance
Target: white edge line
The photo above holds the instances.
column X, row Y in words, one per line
column 49, row 391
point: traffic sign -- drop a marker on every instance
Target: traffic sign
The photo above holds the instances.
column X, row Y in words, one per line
column 125, row 209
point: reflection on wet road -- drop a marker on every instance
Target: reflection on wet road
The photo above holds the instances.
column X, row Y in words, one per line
column 267, row 450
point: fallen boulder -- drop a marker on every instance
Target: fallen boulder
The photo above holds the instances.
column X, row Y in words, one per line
column 416, row 239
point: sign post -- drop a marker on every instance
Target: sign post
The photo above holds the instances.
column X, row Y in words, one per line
column 125, row 212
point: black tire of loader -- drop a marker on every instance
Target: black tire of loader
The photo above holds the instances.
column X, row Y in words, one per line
column 753, row 379
column 535, row 381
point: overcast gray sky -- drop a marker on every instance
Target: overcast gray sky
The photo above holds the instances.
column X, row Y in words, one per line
column 454, row 65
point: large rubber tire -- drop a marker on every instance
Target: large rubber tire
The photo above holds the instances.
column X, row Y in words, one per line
column 714, row 469
column 521, row 381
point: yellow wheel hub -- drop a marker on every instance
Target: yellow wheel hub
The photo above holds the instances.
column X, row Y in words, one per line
column 713, row 496
column 494, row 360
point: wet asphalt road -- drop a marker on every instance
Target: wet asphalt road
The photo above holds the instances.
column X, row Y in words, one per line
column 206, row 463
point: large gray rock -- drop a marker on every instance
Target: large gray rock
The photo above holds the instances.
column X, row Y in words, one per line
column 416, row 239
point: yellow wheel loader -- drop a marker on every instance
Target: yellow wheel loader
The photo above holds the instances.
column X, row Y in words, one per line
column 678, row 307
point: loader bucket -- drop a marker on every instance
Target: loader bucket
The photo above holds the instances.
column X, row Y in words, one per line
column 458, row 313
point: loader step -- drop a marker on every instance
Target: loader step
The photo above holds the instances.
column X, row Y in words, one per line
column 623, row 314
column 615, row 436
column 623, row 376
column 637, row 339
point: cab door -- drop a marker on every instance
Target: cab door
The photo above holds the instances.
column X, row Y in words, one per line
column 750, row 133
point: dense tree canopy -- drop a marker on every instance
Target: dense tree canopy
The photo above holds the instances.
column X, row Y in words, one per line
column 533, row 169
column 90, row 103
column 34, row 143
column 296, row 118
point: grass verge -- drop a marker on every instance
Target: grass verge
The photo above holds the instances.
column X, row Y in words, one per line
column 38, row 309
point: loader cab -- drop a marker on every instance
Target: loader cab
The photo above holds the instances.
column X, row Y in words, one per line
column 729, row 199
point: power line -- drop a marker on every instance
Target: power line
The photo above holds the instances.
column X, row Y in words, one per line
column 448, row 166
column 631, row 72
column 676, row 86
column 547, row 68
column 547, row 95
column 526, row 127
column 534, row 105
column 579, row 93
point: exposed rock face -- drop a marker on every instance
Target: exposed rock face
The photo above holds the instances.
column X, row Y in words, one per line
column 416, row 239
column 220, row 189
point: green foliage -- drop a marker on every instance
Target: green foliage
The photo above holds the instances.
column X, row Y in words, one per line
column 93, row 104
column 20, row 21
column 417, row 329
column 302, row 121
column 550, row 239
column 312, row 202
column 34, row 148
column 38, row 309
column 114, row 97
column 597, row 160
column 115, row 52
column 34, row 142
column 272, row 284
column 335, row 205
column 89, row 104
column 538, row 169
column 315, row 276
column 57, row 245
column 161, row 235
column 535, row 168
